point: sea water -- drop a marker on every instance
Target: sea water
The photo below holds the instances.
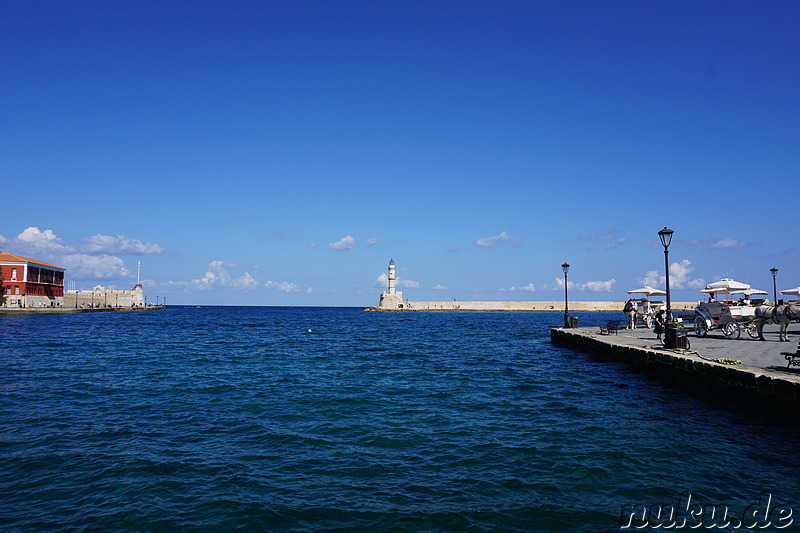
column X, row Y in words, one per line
column 240, row 418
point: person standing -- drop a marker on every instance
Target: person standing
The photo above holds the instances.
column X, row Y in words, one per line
column 630, row 314
column 659, row 324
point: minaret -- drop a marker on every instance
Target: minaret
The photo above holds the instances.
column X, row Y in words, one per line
column 392, row 277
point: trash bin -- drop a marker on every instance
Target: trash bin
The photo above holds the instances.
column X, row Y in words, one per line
column 676, row 338
column 574, row 321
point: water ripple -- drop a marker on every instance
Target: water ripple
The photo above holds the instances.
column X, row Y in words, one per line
column 219, row 419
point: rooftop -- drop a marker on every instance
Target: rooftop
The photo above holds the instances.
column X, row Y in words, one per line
column 6, row 257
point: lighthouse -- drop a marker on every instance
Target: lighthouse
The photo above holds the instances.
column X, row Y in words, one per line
column 392, row 277
column 391, row 298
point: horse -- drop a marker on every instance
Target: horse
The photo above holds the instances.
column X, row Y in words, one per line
column 782, row 314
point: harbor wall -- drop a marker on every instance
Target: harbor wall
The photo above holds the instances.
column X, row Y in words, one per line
column 553, row 306
column 100, row 297
column 751, row 384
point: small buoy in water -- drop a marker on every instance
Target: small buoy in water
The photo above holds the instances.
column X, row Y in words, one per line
column 309, row 330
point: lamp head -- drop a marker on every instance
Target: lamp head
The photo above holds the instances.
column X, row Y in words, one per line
column 774, row 272
column 666, row 236
column 565, row 267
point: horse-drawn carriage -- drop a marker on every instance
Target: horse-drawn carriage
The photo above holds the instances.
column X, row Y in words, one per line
column 645, row 309
column 728, row 316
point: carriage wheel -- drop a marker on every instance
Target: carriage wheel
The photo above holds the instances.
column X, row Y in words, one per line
column 751, row 330
column 700, row 326
column 732, row 330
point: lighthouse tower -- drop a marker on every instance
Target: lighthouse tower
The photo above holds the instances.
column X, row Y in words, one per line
column 392, row 298
column 392, row 277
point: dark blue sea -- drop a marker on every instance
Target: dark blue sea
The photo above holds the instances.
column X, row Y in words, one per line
column 239, row 419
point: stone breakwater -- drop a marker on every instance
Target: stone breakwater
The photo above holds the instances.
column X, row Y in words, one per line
column 762, row 377
column 555, row 306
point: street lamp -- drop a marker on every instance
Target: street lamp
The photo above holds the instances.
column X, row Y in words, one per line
column 565, row 268
column 666, row 238
column 774, row 285
column 670, row 331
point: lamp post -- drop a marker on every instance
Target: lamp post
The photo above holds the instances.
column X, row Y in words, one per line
column 774, row 272
column 565, row 268
column 666, row 238
column 669, row 334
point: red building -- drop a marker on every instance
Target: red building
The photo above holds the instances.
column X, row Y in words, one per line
column 27, row 282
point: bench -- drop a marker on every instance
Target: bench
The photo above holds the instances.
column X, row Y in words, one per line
column 792, row 358
column 612, row 326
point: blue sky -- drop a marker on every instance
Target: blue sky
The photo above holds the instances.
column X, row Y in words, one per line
column 280, row 153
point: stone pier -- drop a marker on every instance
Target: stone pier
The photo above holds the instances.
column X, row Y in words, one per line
column 761, row 375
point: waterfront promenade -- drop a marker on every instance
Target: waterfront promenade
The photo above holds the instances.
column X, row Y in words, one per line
column 761, row 375
column 57, row 310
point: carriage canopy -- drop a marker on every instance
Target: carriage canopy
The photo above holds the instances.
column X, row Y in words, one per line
column 726, row 286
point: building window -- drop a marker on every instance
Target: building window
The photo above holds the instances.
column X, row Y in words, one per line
column 13, row 274
column 16, row 289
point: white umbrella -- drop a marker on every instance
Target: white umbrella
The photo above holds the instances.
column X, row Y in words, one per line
column 791, row 292
column 647, row 290
column 751, row 292
column 726, row 286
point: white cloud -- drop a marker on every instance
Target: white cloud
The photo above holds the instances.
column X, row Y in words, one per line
column 119, row 245
column 372, row 242
column 589, row 286
column 207, row 282
column 530, row 287
column 679, row 274
column 245, row 281
column 718, row 244
column 653, row 279
column 217, row 276
column 283, row 286
column 728, row 243
column 383, row 281
column 560, row 284
column 698, row 284
column 42, row 240
column 3, row 240
column 439, row 287
column 345, row 243
column 95, row 267
column 456, row 248
column 597, row 286
column 492, row 242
